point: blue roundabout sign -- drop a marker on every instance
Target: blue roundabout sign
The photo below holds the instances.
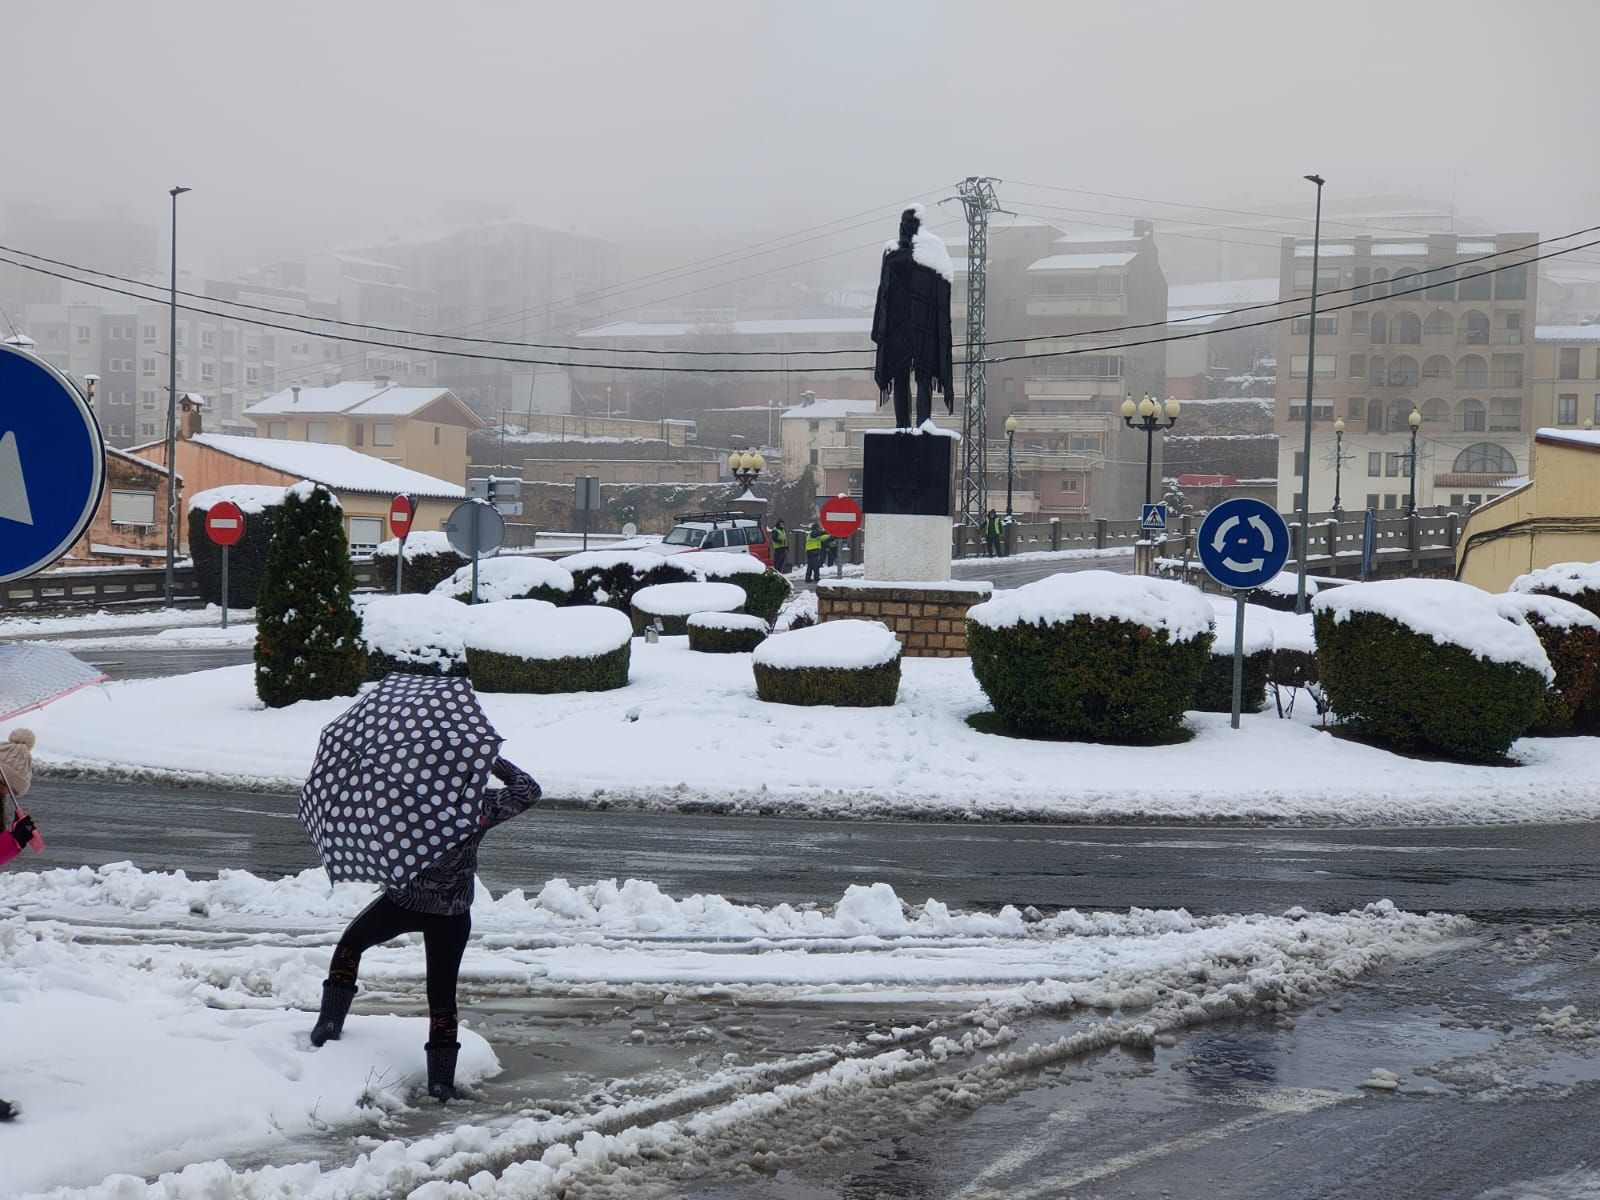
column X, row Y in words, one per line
column 1243, row 543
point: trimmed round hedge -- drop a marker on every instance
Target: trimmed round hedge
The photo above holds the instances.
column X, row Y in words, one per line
column 674, row 603
column 1054, row 665
column 1387, row 682
column 1570, row 636
column 559, row 650
column 726, row 633
column 764, row 589
column 611, row 577
column 849, row 664
column 492, row 671
column 1214, row 693
column 429, row 561
column 510, row 577
column 413, row 635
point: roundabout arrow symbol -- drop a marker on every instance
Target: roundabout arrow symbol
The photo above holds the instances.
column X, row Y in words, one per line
column 1221, row 540
column 13, row 491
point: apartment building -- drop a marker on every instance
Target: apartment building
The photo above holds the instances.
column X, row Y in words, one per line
column 1441, row 325
column 1566, row 377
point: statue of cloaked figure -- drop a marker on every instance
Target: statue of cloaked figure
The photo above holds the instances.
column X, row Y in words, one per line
column 912, row 323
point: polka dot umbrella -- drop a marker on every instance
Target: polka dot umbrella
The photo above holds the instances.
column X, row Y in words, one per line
column 399, row 779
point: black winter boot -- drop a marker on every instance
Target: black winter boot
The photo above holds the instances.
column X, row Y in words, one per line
column 336, row 999
column 442, row 1070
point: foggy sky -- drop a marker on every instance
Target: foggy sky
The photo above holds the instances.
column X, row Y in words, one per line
column 698, row 123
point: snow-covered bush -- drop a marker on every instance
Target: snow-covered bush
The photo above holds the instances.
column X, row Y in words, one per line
column 247, row 558
column 674, row 603
column 613, row 576
column 1578, row 583
column 1430, row 665
column 1280, row 592
column 415, row 635
column 429, row 561
column 1092, row 655
column 510, row 577
column 562, row 650
column 799, row 611
column 1214, row 693
column 853, row 664
column 308, row 637
column 1570, row 636
column 726, row 633
column 765, row 590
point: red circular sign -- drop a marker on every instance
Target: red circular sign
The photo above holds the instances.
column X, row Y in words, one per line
column 841, row 516
column 224, row 523
column 401, row 510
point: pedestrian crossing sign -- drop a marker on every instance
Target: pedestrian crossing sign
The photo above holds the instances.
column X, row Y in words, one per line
column 1153, row 518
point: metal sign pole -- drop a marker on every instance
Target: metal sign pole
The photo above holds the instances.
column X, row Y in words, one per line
column 399, row 566
column 224, row 587
column 585, row 511
column 1238, row 653
column 474, row 537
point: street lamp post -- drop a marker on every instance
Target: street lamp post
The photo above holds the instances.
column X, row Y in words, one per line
column 1414, row 420
column 746, row 466
column 172, row 405
column 1149, row 412
column 1011, row 458
column 1338, row 462
column 1311, row 376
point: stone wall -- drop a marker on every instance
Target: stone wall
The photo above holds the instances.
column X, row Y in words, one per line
column 930, row 620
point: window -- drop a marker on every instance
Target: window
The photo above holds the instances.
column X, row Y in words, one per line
column 436, row 433
column 133, row 508
column 147, row 400
column 1597, row 410
column 1327, row 366
column 1472, row 372
column 1379, row 330
column 316, row 431
column 1567, row 368
column 208, row 372
column 1472, row 416
column 147, row 429
column 1474, row 329
column 252, row 376
column 1372, row 499
column 1441, row 285
column 1476, row 287
column 383, row 434
column 82, row 334
column 1407, row 330
column 714, row 540
column 1358, row 322
column 147, row 334
column 183, row 337
column 1505, row 414
column 208, row 339
column 1456, row 499
column 1436, row 366
column 1400, row 417
column 1327, row 278
column 1069, row 483
column 1084, row 443
column 1302, row 325
column 1485, row 458
column 365, row 534
column 1374, row 462
column 278, row 429
column 1435, row 411
column 1567, row 409
column 1010, row 385
column 1511, row 283
column 357, row 433
column 1439, row 324
column 1358, row 366
column 1392, row 462
column 1375, row 416
column 147, row 367
column 1375, row 371
column 1403, row 372
column 1508, row 370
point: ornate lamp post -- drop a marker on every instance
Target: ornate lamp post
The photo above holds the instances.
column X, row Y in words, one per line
column 1011, row 458
column 1149, row 411
column 1413, row 420
column 1338, row 462
column 746, row 465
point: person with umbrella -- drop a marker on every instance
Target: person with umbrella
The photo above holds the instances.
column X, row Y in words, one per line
column 16, row 826
column 399, row 795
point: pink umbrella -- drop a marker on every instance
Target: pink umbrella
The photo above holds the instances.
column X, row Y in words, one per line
column 33, row 674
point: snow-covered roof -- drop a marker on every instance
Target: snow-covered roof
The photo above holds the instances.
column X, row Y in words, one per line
column 1475, row 247
column 1566, row 333
column 1083, row 262
column 365, row 398
column 1399, row 249
column 1328, row 250
column 1093, row 239
column 797, row 326
column 820, row 410
column 1201, row 303
column 1588, row 439
column 336, row 467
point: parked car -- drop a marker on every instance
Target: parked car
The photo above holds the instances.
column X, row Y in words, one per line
column 725, row 533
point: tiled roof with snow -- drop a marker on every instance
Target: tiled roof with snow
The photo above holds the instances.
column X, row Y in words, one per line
column 829, row 410
column 337, row 467
column 1566, row 333
column 1082, row 262
column 1589, row 439
column 776, row 328
column 354, row 398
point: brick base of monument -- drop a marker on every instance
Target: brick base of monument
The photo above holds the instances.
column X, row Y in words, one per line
column 930, row 619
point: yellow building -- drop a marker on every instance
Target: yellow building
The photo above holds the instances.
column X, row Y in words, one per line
column 1553, row 518
column 1566, row 376
column 420, row 428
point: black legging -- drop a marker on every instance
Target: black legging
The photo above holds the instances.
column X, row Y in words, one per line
column 444, row 941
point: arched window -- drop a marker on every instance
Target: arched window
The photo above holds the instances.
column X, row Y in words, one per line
column 1380, row 282
column 1435, row 411
column 1472, row 371
column 1374, row 416
column 1485, row 458
column 1380, row 329
column 1404, row 284
column 1375, row 375
column 1474, row 328
column 1436, row 366
column 1400, row 416
column 1408, row 330
column 1471, row 416
column 1403, row 372
column 1439, row 324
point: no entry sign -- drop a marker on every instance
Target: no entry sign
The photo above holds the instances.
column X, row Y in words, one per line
column 401, row 510
column 224, row 523
column 841, row 516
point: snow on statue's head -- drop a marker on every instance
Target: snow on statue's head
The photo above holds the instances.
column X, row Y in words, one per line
column 910, row 223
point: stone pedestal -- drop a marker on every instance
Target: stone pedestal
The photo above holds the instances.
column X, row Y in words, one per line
column 930, row 619
column 905, row 494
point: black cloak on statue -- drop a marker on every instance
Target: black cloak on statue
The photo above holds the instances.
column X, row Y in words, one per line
column 911, row 325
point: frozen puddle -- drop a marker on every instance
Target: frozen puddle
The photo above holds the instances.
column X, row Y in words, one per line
column 641, row 1037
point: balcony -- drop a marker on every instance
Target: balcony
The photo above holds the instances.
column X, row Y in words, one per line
column 1061, row 385
column 1107, row 305
column 1054, row 423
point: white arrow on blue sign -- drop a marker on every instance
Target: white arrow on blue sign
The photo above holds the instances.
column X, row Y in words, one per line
column 1243, row 543
column 52, row 464
column 1153, row 517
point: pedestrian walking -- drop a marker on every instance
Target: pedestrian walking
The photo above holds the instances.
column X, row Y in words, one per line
column 16, row 827
column 830, row 550
column 780, row 548
column 431, row 733
column 991, row 534
column 814, row 538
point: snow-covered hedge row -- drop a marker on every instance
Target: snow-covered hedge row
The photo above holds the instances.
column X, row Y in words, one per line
column 510, row 577
column 429, row 561
column 611, row 577
column 247, row 558
column 852, row 664
column 1430, row 665
column 559, row 650
column 674, row 603
column 1092, row 655
column 726, row 633
column 1571, row 639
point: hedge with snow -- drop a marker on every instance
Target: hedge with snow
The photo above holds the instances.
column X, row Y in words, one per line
column 1570, row 636
column 1430, row 665
column 674, row 603
column 726, row 633
column 1092, row 655
column 416, row 635
column 612, row 576
column 247, row 558
column 511, row 577
column 583, row 649
column 429, row 560
column 765, row 590
column 854, row 664
column 1578, row 583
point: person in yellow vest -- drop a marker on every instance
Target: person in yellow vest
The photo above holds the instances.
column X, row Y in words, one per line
column 780, row 548
column 815, row 540
column 992, row 529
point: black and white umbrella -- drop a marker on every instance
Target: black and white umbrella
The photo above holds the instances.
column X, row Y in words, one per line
column 399, row 779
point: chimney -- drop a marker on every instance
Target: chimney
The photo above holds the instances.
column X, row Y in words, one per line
column 296, row 390
column 381, row 380
column 189, row 419
column 1143, row 229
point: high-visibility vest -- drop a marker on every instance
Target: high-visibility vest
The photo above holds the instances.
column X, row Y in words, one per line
column 813, row 539
column 780, row 538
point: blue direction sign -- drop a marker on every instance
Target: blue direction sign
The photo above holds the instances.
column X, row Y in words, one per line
column 1243, row 543
column 52, row 464
column 1153, row 517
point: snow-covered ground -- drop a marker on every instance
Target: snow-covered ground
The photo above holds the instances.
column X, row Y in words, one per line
column 79, row 624
column 166, row 1017
column 689, row 729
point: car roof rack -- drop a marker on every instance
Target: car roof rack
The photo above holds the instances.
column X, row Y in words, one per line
column 716, row 516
